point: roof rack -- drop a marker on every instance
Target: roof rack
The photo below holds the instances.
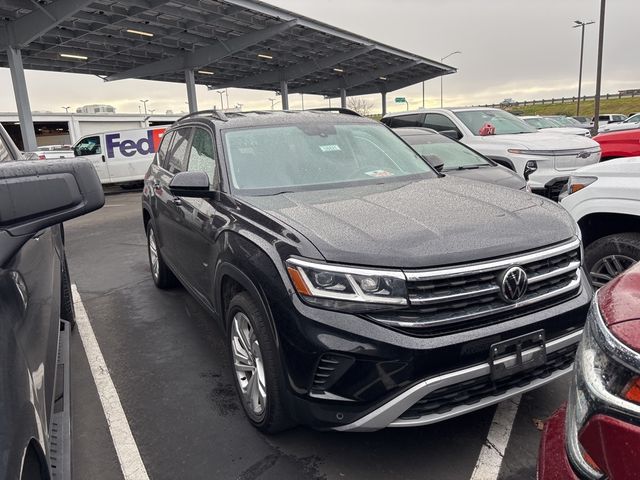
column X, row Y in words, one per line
column 214, row 113
column 346, row 111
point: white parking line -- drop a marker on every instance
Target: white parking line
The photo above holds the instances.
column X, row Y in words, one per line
column 492, row 453
column 123, row 441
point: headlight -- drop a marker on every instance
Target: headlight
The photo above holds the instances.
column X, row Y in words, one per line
column 578, row 183
column 603, row 381
column 336, row 286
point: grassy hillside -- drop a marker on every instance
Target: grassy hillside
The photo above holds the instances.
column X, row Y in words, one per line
column 613, row 105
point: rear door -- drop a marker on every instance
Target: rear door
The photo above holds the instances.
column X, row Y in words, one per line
column 91, row 147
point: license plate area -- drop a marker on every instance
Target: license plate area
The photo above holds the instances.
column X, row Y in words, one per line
column 517, row 354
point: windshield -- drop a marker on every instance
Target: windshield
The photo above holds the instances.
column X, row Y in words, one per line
column 304, row 156
column 542, row 122
column 565, row 121
column 503, row 122
column 453, row 154
column 633, row 119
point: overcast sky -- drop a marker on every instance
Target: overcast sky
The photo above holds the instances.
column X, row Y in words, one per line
column 518, row 49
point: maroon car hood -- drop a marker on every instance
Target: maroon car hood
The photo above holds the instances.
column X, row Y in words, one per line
column 620, row 306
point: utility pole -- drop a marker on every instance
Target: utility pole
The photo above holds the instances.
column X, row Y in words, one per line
column 580, row 24
column 144, row 102
column 442, row 60
column 596, row 112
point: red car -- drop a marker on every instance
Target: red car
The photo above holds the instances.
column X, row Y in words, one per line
column 597, row 434
column 620, row 143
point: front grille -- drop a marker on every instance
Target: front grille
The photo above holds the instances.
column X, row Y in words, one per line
column 472, row 391
column 451, row 297
column 553, row 189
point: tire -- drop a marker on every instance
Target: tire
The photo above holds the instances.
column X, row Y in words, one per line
column 162, row 276
column 268, row 414
column 67, row 310
column 609, row 256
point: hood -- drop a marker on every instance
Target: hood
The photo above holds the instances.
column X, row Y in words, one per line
column 431, row 222
column 619, row 302
column 569, row 130
column 617, row 167
column 545, row 140
column 497, row 175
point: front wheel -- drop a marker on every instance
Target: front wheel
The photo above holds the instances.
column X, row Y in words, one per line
column 257, row 371
column 608, row 257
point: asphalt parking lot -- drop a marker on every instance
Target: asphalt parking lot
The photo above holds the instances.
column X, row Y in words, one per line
column 172, row 377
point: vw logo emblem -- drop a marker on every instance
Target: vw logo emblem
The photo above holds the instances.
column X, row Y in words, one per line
column 513, row 284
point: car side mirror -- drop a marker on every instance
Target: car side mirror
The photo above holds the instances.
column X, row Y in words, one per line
column 435, row 161
column 191, row 184
column 35, row 195
column 453, row 134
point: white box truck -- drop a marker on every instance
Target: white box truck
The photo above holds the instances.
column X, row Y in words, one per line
column 121, row 156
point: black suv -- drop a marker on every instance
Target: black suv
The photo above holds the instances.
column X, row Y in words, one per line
column 36, row 308
column 357, row 287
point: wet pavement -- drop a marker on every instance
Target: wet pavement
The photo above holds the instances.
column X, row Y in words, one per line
column 167, row 361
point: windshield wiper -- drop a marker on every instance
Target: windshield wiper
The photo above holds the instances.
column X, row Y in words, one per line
column 470, row 167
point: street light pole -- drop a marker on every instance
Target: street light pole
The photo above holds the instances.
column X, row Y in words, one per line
column 441, row 83
column 144, row 102
column 423, row 94
column 596, row 112
column 580, row 24
column 221, row 92
column 66, row 109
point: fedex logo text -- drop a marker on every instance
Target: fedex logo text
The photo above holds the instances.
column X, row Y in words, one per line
column 129, row 148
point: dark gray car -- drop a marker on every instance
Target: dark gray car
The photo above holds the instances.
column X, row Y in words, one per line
column 36, row 308
column 454, row 158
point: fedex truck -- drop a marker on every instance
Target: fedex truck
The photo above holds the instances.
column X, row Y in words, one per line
column 121, row 156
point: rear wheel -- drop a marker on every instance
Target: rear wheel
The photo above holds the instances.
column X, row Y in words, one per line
column 162, row 276
column 608, row 257
column 256, row 365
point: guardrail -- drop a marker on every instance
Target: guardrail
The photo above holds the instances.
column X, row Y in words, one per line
column 550, row 101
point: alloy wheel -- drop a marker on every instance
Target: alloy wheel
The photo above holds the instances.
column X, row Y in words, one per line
column 153, row 254
column 609, row 267
column 248, row 365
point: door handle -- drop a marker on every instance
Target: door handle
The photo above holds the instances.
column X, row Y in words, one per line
column 104, row 159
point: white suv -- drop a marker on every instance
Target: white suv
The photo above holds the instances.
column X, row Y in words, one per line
column 545, row 159
column 605, row 201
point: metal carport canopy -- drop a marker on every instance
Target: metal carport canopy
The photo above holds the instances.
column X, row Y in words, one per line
column 218, row 43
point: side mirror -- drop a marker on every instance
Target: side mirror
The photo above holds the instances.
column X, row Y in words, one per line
column 435, row 161
column 453, row 134
column 35, row 195
column 190, row 184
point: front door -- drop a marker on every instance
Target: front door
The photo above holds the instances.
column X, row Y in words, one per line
column 196, row 234
column 91, row 148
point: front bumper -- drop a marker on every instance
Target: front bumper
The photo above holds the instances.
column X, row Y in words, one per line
column 388, row 415
column 553, row 463
column 391, row 378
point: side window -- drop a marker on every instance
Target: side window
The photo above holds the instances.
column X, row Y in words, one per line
column 178, row 156
column 412, row 120
column 202, row 157
column 5, row 156
column 88, row 146
column 439, row 122
column 161, row 156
